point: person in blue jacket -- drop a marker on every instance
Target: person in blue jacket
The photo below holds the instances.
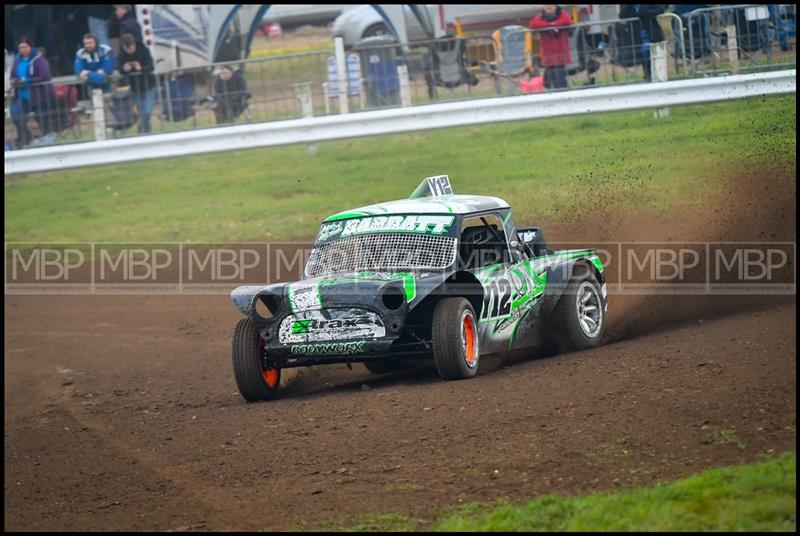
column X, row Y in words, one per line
column 94, row 63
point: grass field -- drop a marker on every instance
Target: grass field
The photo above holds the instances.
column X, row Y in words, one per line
column 549, row 170
column 756, row 497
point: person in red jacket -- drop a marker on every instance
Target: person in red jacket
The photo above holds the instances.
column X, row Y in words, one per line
column 553, row 44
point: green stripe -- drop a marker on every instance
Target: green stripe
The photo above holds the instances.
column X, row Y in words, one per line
column 566, row 256
column 319, row 296
column 346, row 216
column 597, row 262
column 575, row 254
column 410, row 286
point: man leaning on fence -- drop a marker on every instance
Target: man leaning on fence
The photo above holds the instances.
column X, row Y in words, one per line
column 554, row 44
column 28, row 73
column 230, row 95
column 136, row 64
column 94, row 63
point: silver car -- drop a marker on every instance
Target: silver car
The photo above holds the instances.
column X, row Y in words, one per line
column 365, row 21
column 298, row 14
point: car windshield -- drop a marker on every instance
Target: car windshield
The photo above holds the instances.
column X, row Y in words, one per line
column 401, row 242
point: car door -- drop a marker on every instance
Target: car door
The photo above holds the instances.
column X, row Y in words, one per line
column 512, row 290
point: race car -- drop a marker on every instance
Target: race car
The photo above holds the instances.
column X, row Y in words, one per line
column 436, row 276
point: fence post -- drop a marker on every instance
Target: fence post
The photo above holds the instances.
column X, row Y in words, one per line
column 341, row 75
column 733, row 48
column 659, row 71
column 160, row 103
column 303, row 93
column 658, row 62
column 325, row 96
column 405, row 87
column 98, row 115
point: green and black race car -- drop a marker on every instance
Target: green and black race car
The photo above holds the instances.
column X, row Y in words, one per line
column 436, row 276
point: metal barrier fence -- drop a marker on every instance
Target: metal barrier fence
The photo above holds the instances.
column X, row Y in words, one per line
column 742, row 37
column 405, row 119
column 512, row 60
column 50, row 115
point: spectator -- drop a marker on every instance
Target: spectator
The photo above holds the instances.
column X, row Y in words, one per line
column 531, row 83
column 123, row 21
column 94, row 63
column 230, row 95
column 645, row 31
column 137, row 65
column 97, row 18
column 780, row 29
column 554, row 44
column 31, row 67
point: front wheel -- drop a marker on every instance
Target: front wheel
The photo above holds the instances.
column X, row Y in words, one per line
column 255, row 378
column 456, row 349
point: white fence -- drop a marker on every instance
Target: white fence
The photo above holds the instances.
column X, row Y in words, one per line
column 451, row 114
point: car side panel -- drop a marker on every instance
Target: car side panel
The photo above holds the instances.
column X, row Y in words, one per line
column 519, row 296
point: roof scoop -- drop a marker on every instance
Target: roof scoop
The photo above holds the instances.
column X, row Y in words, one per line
column 437, row 186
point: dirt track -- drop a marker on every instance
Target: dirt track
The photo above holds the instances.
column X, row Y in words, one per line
column 121, row 412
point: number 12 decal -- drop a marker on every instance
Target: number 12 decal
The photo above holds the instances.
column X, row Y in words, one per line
column 497, row 299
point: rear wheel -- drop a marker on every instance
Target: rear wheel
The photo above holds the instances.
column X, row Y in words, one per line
column 456, row 349
column 578, row 320
column 255, row 377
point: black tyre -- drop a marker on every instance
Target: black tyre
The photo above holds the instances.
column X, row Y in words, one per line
column 385, row 366
column 456, row 349
column 255, row 379
column 578, row 320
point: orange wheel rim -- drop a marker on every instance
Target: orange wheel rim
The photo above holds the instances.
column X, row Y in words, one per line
column 271, row 375
column 469, row 339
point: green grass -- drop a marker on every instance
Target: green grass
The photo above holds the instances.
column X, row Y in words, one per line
column 549, row 170
column 729, row 437
column 756, row 497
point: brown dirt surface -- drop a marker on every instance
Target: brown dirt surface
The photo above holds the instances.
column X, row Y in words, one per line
column 121, row 412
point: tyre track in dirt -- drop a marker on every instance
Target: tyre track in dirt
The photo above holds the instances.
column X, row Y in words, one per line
column 628, row 413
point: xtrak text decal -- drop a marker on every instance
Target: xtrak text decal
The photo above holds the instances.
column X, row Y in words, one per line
column 331, row 325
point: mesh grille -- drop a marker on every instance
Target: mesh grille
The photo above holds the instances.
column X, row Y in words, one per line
column 382, row 252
